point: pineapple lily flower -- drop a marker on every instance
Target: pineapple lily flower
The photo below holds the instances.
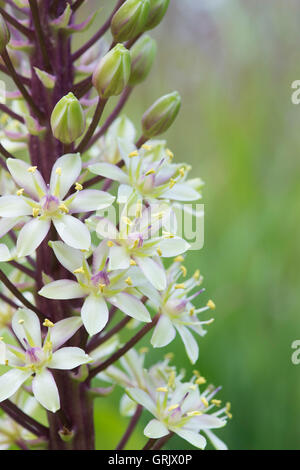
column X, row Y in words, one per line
column 137, row 241
column 45, row 204
column 180, row 408
column 150, row 173
column 36, row 357
column 97, row 285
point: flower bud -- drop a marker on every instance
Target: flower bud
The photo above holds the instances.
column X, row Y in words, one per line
column 161, row 115
column 130, row 19
column 67, row 119
column 142, row 56
column 4, row 34
column 112, row 74
column 157, row 11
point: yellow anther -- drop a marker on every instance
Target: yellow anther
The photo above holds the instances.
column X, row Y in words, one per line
column 132, row 262
column 78, row 187
column 169, row 356
column 35, row 212
column 184, row 270
column 1, row 338
column 196, row 373
column 192, row 311
column 6, row 362
column 182, row 171
column 168, row 234
column 20, row 192
column 179, row 259
column 143, row 350
column 110, row 244
column 193, row 387
column 205, row 402
column 194, row 413
column 129, row 281
column 138, row 212
column 58, row 171
column 173, row 407
column 196, row 274
column 211, row 305
column 170, row 154
column 147, row 147
column 228, row 406
column 172, row 182
column 216, row 402
column 200, row 381
column 48, row 323
column 102, row 287
column 162, row 389
column 63, row 208
column 150, row 172
column 179, row 286
column 21, row 321
column 159, row 252
column 126, row 220
column 79, row 270
column 32, row 169
column 135, row 153
column 171, row 381
column 135, row 244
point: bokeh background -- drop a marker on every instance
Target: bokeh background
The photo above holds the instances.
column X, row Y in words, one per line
column 234, row 61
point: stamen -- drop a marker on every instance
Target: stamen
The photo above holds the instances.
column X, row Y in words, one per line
column 179, row 259
column 129, row 281
column 78, row 186
column 135, row 153
column 159, row 252
column 132, row 262
column 102, row 287
column 79, row 270
column 182, row 171
column 21, row 321
column 192, row 311
column 150, row 172
column 211, row 305
column 110, row 244
column 173, row 407
column 162, row 389
column 200, row 381
column 20, row 192
column 184, row 270
column 48, row 323
column 180, row 286
column 63, row 208
column 170, row 154
column 147, row 147
column 196, row 274
column 126, row 220
column 35, row 212
column 172, row 183
column 58, row 171
column 32, row 169
column 143, row 350
column 205, row 402
column 216, row 402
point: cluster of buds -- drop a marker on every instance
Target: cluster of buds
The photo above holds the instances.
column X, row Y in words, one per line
column 89, row 234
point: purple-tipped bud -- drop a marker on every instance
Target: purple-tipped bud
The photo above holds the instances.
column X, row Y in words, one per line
column 130, row 20
column 112, row 73
column 161, row 115
column 158, row 9
column 4, row 34
column 67, row 119
column 142, row 57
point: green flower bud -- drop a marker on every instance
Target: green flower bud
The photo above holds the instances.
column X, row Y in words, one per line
column 130, row 20
column 112, row 74
column 161, row 115
column 142, row 57
column 4, row 34
column 68, row 119
column 157, row 11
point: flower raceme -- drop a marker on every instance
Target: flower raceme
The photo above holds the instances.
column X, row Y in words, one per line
column 42, row 204
column 35, row 358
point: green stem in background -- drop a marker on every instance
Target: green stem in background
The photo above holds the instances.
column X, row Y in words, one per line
column 95, row 121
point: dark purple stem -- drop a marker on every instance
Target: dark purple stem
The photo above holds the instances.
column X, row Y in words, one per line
column 131, row 428
column 23, row 419
column 90, row 132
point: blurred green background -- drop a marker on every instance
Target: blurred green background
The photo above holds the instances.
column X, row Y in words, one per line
column 233, row 63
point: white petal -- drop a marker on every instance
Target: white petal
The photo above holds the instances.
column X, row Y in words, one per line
column 70, row 166
column 4, row 253
column 90, row 200
column 31, row 236
column 7, row 223
column 164, row 333
column 141, row 397
column 94, row 314
column 127, row 406
column 100, row 256
column 190, row 343
column 11, row 381
column 70, row 258
column 107, row 229
column 130, row 305
column 216, row 442
column 113, row 172
column 26, row 326
column 64, row 330
column 124, row 193
column 173, row 247
column 155, row 429
column 118, row 258
column 45, row 390
column 68, row 358
column 193, row 438
column 206, row 421
column 73, row 232
column 153, row 272
column 33, row 183
column 63, row 289
column 14, row 206
column 182, row 192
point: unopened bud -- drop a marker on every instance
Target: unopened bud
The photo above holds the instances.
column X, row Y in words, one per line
column 157, row 11
column 112, row 74
column 67, row 119
column 4, row 34
column 142, row 57
column 130, row 20
column 161, row 115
